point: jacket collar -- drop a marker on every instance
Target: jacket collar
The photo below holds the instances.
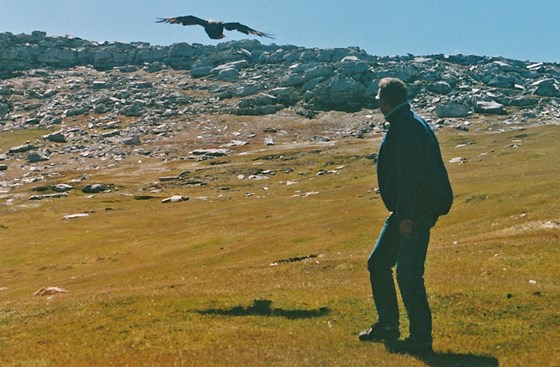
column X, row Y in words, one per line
column 393, row 114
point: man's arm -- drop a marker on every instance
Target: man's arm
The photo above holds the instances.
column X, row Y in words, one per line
column 409, row 173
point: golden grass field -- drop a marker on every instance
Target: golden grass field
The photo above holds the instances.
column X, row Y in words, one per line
column 272, row 272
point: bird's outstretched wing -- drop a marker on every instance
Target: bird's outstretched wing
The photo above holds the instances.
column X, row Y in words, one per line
column 186, row 20
column 244, row 29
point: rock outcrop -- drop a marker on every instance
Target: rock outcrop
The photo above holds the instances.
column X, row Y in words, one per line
column 255, row 78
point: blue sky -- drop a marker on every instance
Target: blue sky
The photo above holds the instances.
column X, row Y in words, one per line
column 517, row 29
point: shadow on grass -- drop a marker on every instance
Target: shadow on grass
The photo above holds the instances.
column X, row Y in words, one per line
column 450, row 359
column 263, row 308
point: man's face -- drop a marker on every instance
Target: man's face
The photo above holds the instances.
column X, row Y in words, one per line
column 384, row 107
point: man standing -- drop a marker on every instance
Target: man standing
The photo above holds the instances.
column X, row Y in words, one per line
column 415, row 188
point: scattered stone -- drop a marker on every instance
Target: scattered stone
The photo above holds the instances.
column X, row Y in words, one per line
column 76, row 216
column 258, row 177
column 320, row 139
column 546, row 88
column 169, row 178
column 452, row 109
column 21, row 148
column 457, row 160
column 490, row 108
column 37, row 157
column 61, row 188
column 235, row 143
column 132, row 140
column 49, row 291
column 57, row 137
column 48, row 196
column 175, row 199
column 209, row 153
column 306, row 194
column 95, row 188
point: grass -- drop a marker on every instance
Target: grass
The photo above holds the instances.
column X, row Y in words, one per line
column 209, row 282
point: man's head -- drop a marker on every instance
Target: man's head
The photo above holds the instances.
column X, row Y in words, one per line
column 392, row 92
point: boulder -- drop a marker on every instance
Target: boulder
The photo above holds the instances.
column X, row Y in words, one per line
column 228, row 75
column 21, row 148
column 339, row 93
column 132, row 140
column 57, row 195
column 503, row 81
column 201, row 71
column 490, row 108
column 263, row 104
column 5, row 107
column 61, row 188
column 523, row 101
column 352, row 67
column 546, row 88
column 237, row 65
column 57, row 137
column 440, row 87
column 452, row 109
column 209, row 153
column 36, row 157
column 95, row 188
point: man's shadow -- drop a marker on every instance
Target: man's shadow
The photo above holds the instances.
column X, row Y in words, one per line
column 263, row 308
column 450, row 359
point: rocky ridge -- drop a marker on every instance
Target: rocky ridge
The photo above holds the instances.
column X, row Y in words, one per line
column 262, row 78
column 108, row 101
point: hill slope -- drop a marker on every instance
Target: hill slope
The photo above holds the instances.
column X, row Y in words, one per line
column 182, row 233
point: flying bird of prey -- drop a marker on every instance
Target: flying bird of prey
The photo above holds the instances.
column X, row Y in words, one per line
column 214, row 28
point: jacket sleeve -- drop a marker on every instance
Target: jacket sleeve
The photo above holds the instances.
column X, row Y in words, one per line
column 410, row 154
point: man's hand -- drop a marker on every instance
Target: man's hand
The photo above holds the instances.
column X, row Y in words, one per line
column 406, row 227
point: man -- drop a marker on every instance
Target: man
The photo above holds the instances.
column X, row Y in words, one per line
column 415, row 188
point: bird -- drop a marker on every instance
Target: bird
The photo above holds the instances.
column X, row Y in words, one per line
column 214, row 28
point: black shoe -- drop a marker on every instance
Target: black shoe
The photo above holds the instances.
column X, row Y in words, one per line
column 379, row 333
column 411, row 346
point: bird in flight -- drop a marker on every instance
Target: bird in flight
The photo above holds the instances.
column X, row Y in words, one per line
column 214, row 28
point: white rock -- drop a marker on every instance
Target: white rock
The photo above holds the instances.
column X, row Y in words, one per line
column 175, row 199
column 74, row 216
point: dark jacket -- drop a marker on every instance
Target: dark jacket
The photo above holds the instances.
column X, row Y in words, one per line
column 412, row 178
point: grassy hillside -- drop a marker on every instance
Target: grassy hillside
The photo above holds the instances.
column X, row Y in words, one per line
column 271, row 270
